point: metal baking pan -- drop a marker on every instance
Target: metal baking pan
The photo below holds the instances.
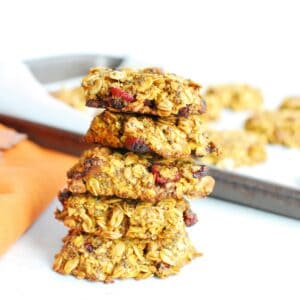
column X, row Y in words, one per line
column 230, row 186
column 69, row 66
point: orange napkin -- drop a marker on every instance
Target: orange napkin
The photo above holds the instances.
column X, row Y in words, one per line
column 30, row 177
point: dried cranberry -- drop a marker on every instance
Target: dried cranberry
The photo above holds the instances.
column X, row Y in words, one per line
column 75, row 174
column 119, row 93
column 90, row 162
column 184, row 111
column 161, row 266
column 161, row 180
column 89, row 248
column 117, row 103
column 177, row 177
column 64, row 195
column 211, row 147
column 136, row 145
column 190, row 218
column 149, row 103
column 93, row 103
column 199, row 173
column 158, row 179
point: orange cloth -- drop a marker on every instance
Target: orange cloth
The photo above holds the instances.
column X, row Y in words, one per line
column 30, row 177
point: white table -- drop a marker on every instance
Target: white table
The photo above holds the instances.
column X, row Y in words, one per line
column 248, row 254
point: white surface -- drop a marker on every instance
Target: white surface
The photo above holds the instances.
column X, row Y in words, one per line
column 22, row 96
column 248, row 254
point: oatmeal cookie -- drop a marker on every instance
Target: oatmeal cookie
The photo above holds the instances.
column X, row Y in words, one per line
column 169, row 137
column 237, row 148
column 291, row 103
column 235, row 96
column 146, row 91
column 72, row 96
column 279, row 127
column 213, row 108
column 115, row 218
column 103, row 172
column 87, row 256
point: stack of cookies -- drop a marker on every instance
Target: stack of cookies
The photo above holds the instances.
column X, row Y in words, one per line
column 125, row 201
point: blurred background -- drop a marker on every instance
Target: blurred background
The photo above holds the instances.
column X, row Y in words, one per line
column 209, row 41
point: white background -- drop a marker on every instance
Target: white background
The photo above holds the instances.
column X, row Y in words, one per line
column 248, row 254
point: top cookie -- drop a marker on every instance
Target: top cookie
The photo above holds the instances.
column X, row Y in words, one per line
column 145, row 91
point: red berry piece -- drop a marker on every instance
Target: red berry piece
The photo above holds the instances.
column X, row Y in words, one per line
column 177, row 177
column 89, row 248
column 119, row 93
column 199, row 173
column 161, row 180
column 64, row 195
column 190, row 218
column 211, row 147
column 158, row 179
column 136, row 145
column 150, row 103
column 93, row 103
column 117, row 103
column 184, row 111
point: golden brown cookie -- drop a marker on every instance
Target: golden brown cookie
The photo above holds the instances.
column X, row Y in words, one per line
column 279, row 127
column 145, row 91
column 87, row 256
column 234, row 96
column 291, row 103
column 103, row 172
column 115, row 218
column 236, row 148
column 168, row 137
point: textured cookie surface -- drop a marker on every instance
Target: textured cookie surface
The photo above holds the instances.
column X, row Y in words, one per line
column 236, row 148
column 234, row 96
column 291, row 103
column 279, row 127
column 168, row 137
column 73, row 97
column 114, row 218
column 146, row 91
column 103, row 172
column 87, row 256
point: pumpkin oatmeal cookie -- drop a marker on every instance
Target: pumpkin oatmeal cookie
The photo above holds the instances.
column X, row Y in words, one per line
column 114, row 218
column 72, row 96
column 237, row 97
column 146, row 91
column 291, row 103
column 103, row 172
column 213, row 108
column 92, row 258
column 236, row 148
column 169, row 137
column 279, row 127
